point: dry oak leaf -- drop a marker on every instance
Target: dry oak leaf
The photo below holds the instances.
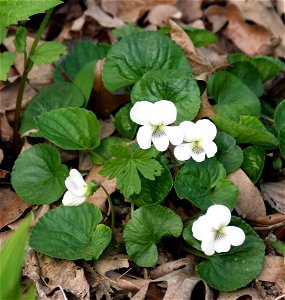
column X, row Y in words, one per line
column 273, row 269
column 11, row 207
column 111, row 263
column 160, row 14
column 131, row 11
column 250, row 204
column 191, row 10
column 49, row 273
column 247, row 37
column 252, row 292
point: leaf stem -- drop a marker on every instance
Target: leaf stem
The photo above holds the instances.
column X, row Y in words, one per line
column 195, row 252
column 27, row 68
column 111, row 206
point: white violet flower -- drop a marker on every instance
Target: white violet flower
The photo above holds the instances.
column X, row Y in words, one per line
column 155, row 118
column 76, row 189
column 199, row 138
column 214, row 233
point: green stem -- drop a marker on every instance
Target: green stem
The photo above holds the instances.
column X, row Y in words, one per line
column 111, row 206
column 195, row 252
column 27, row 68
column 132, row 206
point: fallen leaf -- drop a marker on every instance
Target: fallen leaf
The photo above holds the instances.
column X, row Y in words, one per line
column 130, row 11
column 85, row 162
column 206, row 109
column 160, row 14
column 3, row 173
column 38, row 212
column 107, row 127
column 250, row 204
column 111, row 263
column 191, row 10
column 252, row 292
column 274, row 194
column 49, row 273
column 247, row 37
column 11, row 207
column 273, row 269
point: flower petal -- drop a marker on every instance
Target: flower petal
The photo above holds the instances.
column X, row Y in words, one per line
column 207, row 246
column 201, row 229
column 182, row 152
column 189, row 132
column 70, row 199
column 206, row 129
column 198, row 157
column 140, row 112
column 174, row 134
column 144, row 136
column 235, row 235
column 75, row 183
column 160, row 142
column 210, row 148
column 222, row 244
column 164, row 112
column 218, row 216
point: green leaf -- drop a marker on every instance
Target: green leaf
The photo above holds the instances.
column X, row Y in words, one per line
column 200, row 37
column 3, row 33
column 267, row 66
column 278, row 246
column 6, row 61
column 102, row 153
column 12, row 255
column 138, row 53
column 229, row 154
column 70, row 128
column 13, row 11
column 254, row 158
column 38, row 175
column 235, row 269
column 84, row 79
column 281, row 137
column 249, row 75
column 204, row 184
column 154, row 192
column 57, row 95
column 125, row 30
column 249, row 130
column 71, row 232
column 83, row 53
column 48, row 52
column 179, row 87
column 126, row 166
column 233, row 97
column 123, row 123
column 279, row 116
column 147, row 226
column 20, row 39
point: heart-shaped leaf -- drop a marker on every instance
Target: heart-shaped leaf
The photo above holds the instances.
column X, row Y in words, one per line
column 38, row 175
column 71, row 232
column 147, row 226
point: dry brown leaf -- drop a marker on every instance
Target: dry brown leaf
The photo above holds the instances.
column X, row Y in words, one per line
column 250, row 204
column 274, row 194
column 130, row 11
column 252, row 292
column 11, row 207
column 191, row 10
column 6, row 131
column 49, row 273
column 160, row 14
column 107, row 127
column 273, row 269
column 270, row 220
column 4, row 235
column 206, row 109
column 85, row 164
column 38, row 212
column 110, row 263
column 247, row 37
column 198, row 61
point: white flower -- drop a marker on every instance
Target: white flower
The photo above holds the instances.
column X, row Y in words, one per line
column 199, row 140
column 214, row 233
column 155, row 117
column 76, row 189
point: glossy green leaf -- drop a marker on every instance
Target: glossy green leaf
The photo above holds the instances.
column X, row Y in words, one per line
column 279, row 116
column 13, row 11
column 48, row 52
column 71, row 232
column 70, row 128
column 267, row 66
column 148, row 225
column 12, row 255
column 254, row 158
column 125, row 30
column 281, row 137
column 233, row 97
column 20, row 39
column 200, row 37
column 126, row 166
column 3, row 33
column 249, row 130
column 6, row 61
column 138, row 53
column 83, row 53
column 154, row 192
column 57, row 95
column 38, row 175
column 179, row 87
column 123, row 123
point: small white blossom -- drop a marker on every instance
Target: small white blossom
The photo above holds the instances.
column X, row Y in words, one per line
column 155, row 118
column 214, row 233
column 199, row 138
column 76, row 189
